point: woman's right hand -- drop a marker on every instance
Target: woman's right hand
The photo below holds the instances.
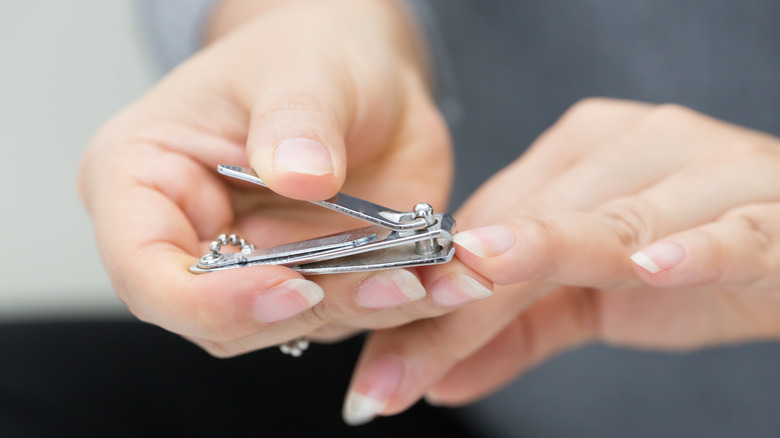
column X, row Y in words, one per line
column 317, row 96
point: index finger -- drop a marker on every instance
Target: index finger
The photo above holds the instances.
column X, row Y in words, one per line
column 151, row 210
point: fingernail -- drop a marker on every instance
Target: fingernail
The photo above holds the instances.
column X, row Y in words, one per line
column 288, row 299
column 302, row 155
column 458, row 289
column 389, row 289
column 486, row 241
column 369, row 396
column 431, row 398
column 659, row 256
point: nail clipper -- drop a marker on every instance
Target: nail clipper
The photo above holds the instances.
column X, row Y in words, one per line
column 394, row 240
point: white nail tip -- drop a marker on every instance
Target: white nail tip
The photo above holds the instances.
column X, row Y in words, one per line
column 408, row 284
column 431, row 399
column 471, row 243
column 360, row 409
column 473, row 288
column 310, row 291
column 645, row 262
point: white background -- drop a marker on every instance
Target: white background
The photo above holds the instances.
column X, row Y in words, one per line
column 65, row 67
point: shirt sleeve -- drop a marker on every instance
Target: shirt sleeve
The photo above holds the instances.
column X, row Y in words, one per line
column 445, row 86
column 175, row 27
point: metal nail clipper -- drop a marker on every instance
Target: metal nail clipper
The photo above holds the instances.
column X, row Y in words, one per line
column 395, row 240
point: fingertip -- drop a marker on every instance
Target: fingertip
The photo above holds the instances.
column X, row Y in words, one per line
column 642, row 260
column 389, row 288
column 374, row 385
column 286, row 300
column 665, row 264
column 302, row 155
column 659, row 256
column 496, row 253
column 455, row 284
column 486, row 242
column 481, row 249
column 457, row 289
column 237, row 302
column 304, row 187
column 301, row 168
column 433, row 399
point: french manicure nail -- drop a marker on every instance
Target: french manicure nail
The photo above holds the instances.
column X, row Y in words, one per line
column 659, row 256
column 389, row 289
column 286, row 300
column 486, row 241
column 458, row 289
column 370, row 395
column 302, row 155
column 431, row 398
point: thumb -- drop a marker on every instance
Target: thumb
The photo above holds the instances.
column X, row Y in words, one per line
column 296, row 135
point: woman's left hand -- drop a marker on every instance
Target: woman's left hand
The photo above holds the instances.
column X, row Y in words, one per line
column 626, row 223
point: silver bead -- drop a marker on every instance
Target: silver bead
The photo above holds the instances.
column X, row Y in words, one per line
column 223, row 239
column 233, row 239
column 425, row 211
column 215, row 246
column 295, row 347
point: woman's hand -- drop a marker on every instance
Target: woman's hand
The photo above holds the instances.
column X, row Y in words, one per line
column 314, row 95
column 630, row 224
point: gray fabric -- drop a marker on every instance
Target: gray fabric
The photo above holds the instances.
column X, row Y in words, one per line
column 519, row 64
column 445, row 85
column 175, row 27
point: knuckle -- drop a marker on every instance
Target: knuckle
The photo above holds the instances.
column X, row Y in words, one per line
column 588, row 110
column 542, row 233
column 631, row 219
column 554, row 198
column 589, row 105
column 322, row 313
column 753, row 219
column 668, row 116
column 667, row 112
column 708, row 242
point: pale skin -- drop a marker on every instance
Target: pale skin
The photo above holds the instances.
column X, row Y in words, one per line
column 608, row 180
column 318, row 97
column 635, row 225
